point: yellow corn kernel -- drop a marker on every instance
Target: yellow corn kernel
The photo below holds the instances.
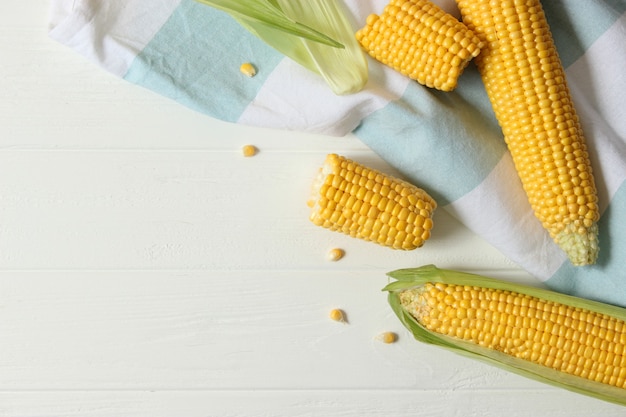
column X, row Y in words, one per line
column 420, row 40
column 335, row 254
column 363, row 203
column 575, row 348
column 337, row 315
column 247, row 69
column 526, row 84
column 387, row 337
column 249, row 150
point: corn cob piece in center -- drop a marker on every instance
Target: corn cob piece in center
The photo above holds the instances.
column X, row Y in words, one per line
column 367, row 204
column 563, row 340
column 525, row 81
column 420, row 40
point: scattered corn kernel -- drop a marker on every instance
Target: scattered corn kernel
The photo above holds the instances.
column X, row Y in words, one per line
column 247, row 69
column 337, row 315
column 336, row 254
column 249, row 150
column 388, row 337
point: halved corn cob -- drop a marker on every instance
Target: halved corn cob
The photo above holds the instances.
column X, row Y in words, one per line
column 420, row 40
column 367, row 204
column 526, row 84
column 566, row 341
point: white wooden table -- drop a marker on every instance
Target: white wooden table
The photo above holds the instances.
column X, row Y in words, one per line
column 148, row 269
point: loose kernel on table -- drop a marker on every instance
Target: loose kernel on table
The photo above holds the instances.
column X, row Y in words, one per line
column 337, row 315
column 247, row 69
column 388, row 337
column 249, row 150
column 335, row 254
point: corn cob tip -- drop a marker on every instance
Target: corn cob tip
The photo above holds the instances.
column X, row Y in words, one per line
column 581, row 246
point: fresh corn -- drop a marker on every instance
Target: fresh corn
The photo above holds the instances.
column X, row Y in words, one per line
column 420, row 40
column 566, row 341
column 526, row 84
column 367, row 204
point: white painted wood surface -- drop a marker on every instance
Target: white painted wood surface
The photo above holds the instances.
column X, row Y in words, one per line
column 148, row 269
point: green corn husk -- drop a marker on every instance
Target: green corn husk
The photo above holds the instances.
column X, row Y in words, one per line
column 314, row 33
column 415, row 277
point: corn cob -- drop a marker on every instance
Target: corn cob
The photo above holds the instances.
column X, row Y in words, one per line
column 566, row 341
column 525, row 81
column 420, row 40
column 367, row 204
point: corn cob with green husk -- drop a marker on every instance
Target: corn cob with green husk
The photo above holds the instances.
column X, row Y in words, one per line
column 562, row 340
column 526, row 84
column 314, row 33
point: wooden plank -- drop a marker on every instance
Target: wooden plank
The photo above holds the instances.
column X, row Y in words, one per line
column 189, row 209
column 155, row 330
column 329, row 403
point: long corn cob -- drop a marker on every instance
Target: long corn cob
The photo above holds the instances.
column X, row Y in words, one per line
column 420, row 40
column 367, row 204
column 525, row 81
column 566, row 341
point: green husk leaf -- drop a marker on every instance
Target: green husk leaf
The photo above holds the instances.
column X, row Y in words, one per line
column 344, row 70
column 267, row 12
column 314, row 33
column 416, row 277
column 288, row 45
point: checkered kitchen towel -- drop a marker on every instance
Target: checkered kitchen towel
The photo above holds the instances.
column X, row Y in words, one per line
column 448, row 143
